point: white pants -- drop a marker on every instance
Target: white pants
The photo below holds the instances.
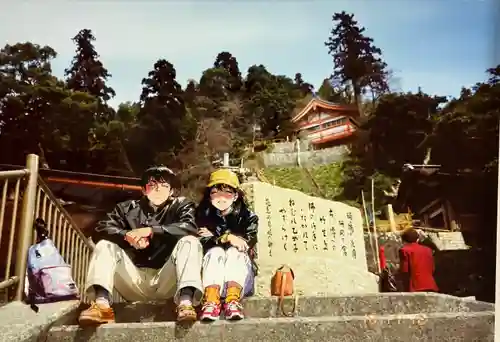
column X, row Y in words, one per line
column 221, row 266
column 110, row 267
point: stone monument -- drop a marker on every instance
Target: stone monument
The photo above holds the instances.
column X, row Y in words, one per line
column 321, row 240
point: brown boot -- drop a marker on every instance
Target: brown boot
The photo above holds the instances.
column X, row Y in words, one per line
column 96, row 315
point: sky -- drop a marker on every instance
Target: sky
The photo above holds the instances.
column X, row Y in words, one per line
column 439, row 46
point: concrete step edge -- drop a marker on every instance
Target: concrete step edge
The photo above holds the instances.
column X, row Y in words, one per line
column 287, row 320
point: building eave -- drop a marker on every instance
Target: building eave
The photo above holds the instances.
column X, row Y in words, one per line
column 317, row 102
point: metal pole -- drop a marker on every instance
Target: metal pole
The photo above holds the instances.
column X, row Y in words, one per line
column 375, row 225
column 26, row 224
column 298, row 152
column 225, row 161
column 370, row 235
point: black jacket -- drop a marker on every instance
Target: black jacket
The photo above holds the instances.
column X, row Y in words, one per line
column 170, row 223
column 240, row 222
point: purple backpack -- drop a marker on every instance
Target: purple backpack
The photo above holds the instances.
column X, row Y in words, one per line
column 48, row 276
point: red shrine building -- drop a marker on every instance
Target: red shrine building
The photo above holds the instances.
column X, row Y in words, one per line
column 326, row 124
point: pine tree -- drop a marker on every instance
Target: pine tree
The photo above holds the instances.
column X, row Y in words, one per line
column 304, row 87
column 163, row 115
column 87, row 73
column 227, row 61
column 356, row 59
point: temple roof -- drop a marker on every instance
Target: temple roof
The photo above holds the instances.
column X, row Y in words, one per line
column 318, row 102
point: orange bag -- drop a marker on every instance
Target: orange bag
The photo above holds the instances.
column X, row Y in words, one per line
column 282, row 286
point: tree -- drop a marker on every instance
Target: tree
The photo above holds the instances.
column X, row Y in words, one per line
column 257, row 77
column 216, row 83
column 394, row 134
column 304, row 87
column 272, row 103
column 225, row 60
column 356, row 59
column 165, row 123
column 26, row 84
column 35, row 108
column 469, row 125
column 88, row 74
column 398, row 129
column 332, row 91
column 116, row 139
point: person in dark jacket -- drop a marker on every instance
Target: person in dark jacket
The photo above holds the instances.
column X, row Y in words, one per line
column 228, row 232
column 149, row 251
column 416, row 264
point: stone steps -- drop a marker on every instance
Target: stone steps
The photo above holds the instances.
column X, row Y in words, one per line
column 431, row 327
column 377, row 317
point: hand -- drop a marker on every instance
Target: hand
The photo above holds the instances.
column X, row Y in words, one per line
column 204, row 232
column 237, row 242
column 139, row 238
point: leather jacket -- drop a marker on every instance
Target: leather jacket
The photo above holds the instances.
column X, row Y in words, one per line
column 170, row 223
column 240, row 222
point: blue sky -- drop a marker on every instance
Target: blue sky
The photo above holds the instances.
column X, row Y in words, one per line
column 437, row 45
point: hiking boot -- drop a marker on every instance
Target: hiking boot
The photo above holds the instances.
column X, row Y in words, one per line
column 233, row 311
column 96, row 314
column 210, row 312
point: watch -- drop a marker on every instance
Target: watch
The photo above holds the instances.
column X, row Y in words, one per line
column 223, row 238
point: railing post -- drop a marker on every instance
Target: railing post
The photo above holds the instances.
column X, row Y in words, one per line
column 26, row 224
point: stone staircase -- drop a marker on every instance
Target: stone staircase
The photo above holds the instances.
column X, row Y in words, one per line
column 377, row 317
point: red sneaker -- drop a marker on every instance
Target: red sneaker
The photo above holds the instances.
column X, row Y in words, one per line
column 233, row 311
column 210, row 312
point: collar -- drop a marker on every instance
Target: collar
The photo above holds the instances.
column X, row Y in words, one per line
column 219, row 213
column 150, row 208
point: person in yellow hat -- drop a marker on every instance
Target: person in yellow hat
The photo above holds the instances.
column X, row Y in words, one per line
column 228, row 233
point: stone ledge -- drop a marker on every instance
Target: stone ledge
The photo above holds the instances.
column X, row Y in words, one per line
column 414, row 327
column 18, row 322
column 352, row 305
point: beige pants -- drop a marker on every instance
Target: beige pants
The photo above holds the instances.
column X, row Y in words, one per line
column 110, row 267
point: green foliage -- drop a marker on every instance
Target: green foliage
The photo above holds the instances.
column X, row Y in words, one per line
column 69, row 123
column 274, row 102
column 304, row 87
column 164, row 121
column 357, row 61
column 336, row 93
column 470, row 125
column 86, row 72
column 328, row 177
column 398, row 127
column 225, row 60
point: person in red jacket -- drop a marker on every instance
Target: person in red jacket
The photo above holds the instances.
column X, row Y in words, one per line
column 416, row 264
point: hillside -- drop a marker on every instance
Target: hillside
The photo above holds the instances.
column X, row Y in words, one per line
column 327, row 177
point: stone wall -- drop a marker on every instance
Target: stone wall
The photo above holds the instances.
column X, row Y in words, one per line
column 279, row 158
column 321, row 240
